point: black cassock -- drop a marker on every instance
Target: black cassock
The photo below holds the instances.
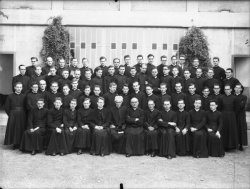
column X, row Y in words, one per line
column 51, row 98
column 241, row 119
column 229, row 129
column 34, row 140
column 189, row 103
column 101, row 140
column 57, row 141
column 167, row 134
column 198, row 138
column 134, row 132
column 175, row 97
column 214, row 122
column 24, row 79
column 183, row 141
column 83, row 136
column 15, row 109
column 151, row 137
column 70, row 121
column 118, row 117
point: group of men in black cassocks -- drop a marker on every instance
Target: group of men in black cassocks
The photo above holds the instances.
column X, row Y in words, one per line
column 163, row 110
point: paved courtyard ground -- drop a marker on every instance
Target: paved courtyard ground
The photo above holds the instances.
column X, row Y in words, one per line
column 18, row 170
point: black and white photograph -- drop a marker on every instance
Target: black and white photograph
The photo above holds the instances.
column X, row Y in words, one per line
column 124, row 94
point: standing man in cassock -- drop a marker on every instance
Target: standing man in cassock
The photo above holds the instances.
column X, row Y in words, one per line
column 187, row 80
column 151, row 129
column 22, row 78
column 241, row 116
column 175, row 65
column 57, row 141
column 48, row 64
column 97, row 79
column 140, row 95
column 30, row 70
column 32, row 140
column 229, row 129
column 210, row 81
column 127, row 59
column 139, row 63
column 150, row 64
column 217, row 96
column 109, row 79
column 62, row 66
column 154, row 80
column 205, row 99
column 214, row 125
column 121, row 78
column 109, row 97
column 132, row 78
column 37, row 76
column 166, row 78
column 182, row 137
column 160, row 67
column 85, row 66
column 83, row 133
column 190, row 97
column 15, row 109
column 219, row 72
column 198, row 137
column 52, row 76
column 176, row 78
column 134, row 132
column 199, row 81
column 167, row 124
column 230, row 80
column 101, row 140
column 103, row 61
column 178, row 94
column 118, row 125
column 142, row 76
column 43, row 91
column 164, row 95
column 151, row 96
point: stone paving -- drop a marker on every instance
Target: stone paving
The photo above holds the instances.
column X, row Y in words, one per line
column 18, row 170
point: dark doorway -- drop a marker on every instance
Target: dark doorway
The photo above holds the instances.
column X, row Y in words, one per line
column 241, row 65
column 6, row 74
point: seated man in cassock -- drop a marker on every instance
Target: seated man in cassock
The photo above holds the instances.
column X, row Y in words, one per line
column 15, row 109
column 182, row 130
column 167, row 123
column 82, row 140
column 134, row 130
column 117, row 125
column 57, row 142
column 198, row 139
column 101, row 140
column 70, row 124
column 32, row 140
column 214, row 125
column 151, row 129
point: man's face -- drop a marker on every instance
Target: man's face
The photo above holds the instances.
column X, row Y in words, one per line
column 210, row 73
column 181, row 104
column 97, row 91
column 151, row 105
column 143, row 68
column 136, row 86
column 88, row 74
column 173, row 60
column 118, row 103
column 111, row 71
column 205, row 92
column 198, row 72
column 213, row 106
column 65, row 74
column 33, row 61
column 175, row 71
column 216, row 89
column 182, row 60
column 215, row 62
column 77, row 74
column 166, row 105
column 40, row 104
column 149, row 90
column 38, row 70
column 154, row 72
column 238, row 89
column 178, row 87
column 86, row 104
column 150, row 59
column 125, row 90
column 195, row 63
column 34, row 88
column 49, row 61
column 74, row 62
column 85, row 62
column 74, row 84
column 116, row 63
column 163, row 89
column 164, row 61
column 121, row 70
column 58, row 104
column 62, row 63
column 103, row 62
column 187, row 74
column 113, row 88
column 53, row 71
column 165, row 71
column 18, row 88
column 42, row 85
column 191, row 89
column 228, row 73
column 22, row 70
column 72, row 104
column 227, row 90
column 54, row 87
column 134, row 103
column 197, row 104
column 127, row 60
column 99, row 73
column 100, row 103
column 87, row 91
column 65, row 90
column 133, row 72
column 139, row 59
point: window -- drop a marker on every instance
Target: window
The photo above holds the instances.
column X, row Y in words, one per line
column 83, row 45
column 93, row 45
column 154, row 46
column 164, row 46
column 72, row 45
column 134, row 45
column 175, row 47
column 113, row 45
column 124, row 45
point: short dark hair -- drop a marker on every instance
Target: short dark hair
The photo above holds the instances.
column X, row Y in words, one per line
column 173, row 57
column 139, row 56
column 163, row 56
column 150, row 55
column 230, row 69
column 34, row 58
column 102, row 57
column 126, row 56
column 216, row 58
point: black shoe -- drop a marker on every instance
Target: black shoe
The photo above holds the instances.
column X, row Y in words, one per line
column 147, row 154
column 79, row 152
column 102, row 155
column 128, row 155
column 153, row 154
column 169, row 157
column 54, row 154
column 61, row 154
column 197, row 156
column 241, row 148
column 33, row 152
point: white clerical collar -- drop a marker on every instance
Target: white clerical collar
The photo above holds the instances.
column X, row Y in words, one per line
column 197, row 110
column 213, row 110
column 134, row 108
column 237, row 94
column 17, row 93
column 181, row 110
column 163, row 93
column 167, row 110
column 152, row 110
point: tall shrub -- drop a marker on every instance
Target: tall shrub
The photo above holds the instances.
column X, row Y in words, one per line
column 55, row 41
column 194, row 44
